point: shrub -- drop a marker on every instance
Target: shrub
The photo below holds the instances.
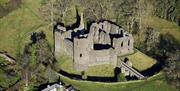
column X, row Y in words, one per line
column 121, row 77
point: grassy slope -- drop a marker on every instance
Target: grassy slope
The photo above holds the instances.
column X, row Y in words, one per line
column 163, row 26
column 157, row 83
column 140, row 61
column 16, row 27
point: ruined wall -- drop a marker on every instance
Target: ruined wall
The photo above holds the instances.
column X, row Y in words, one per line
column 58, row 43
column 123, row 45
column 63, row 45
column 81, row 53
column 107, row 33
column 98, row 57
column 100, row 36
column 80, row 46
column 68, row 48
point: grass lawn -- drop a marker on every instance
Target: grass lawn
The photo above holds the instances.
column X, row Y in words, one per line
column 156, row 83
column 140, row 61
column 16, row 27
column 106, row 70
column 66, row 64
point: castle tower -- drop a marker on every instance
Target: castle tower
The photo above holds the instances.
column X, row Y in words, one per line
column 81, row 25
column 81, row 53
column 82, row 21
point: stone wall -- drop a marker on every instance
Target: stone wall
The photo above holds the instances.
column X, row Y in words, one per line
column 98, row 57
column 63, row 43
column 123, row 45
column 80, row 46
column 81, row 53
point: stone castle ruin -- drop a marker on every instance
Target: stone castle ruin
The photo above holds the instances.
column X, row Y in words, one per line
column 102, row 43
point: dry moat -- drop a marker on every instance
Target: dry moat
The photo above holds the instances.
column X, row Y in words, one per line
column 100, row 52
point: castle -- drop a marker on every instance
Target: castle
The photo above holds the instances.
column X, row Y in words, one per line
column 101, row 44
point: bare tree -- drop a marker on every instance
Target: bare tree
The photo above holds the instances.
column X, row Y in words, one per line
column 53, row 10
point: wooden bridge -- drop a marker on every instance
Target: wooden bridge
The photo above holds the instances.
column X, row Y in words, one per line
column 131, row 70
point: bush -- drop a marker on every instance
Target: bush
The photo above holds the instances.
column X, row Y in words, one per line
column 121, row 77
column 83, row 74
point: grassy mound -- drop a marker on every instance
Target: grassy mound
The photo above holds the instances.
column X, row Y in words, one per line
column 140, row 61
column 155, row 83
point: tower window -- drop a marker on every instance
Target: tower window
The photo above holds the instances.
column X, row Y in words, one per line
column 80, row 55
column 128, row 42
column 119, row 32
column 121, row 44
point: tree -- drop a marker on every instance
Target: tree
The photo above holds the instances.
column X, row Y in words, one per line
column 54, row 10
column 37, row 55
column 46, row 10
column 167, row 9
column 60, row 9
column 152, row 38
column 121, row 77
column 172, row 44
column 44, row 53
column 83, row 74
column 172, row 68
column 151, row 41
column 135, row 27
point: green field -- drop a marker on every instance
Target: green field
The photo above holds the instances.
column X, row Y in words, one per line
column 16, row 27
column 155, row 83
column 140, row 61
